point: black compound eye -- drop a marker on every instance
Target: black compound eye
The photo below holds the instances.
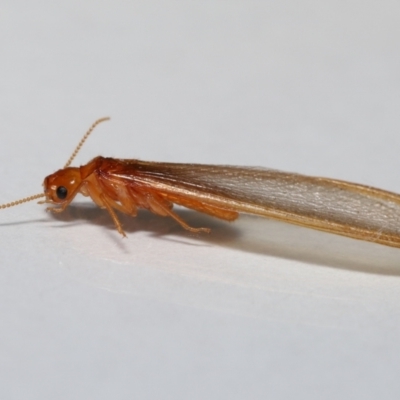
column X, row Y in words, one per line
column 61, row 192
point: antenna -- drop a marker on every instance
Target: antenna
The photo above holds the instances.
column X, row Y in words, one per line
column 24, row 200
column 83, row 140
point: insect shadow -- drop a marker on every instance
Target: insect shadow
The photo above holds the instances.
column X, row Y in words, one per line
column 249, row 234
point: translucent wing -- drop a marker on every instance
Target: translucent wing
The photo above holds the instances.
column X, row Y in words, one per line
column 330, row 205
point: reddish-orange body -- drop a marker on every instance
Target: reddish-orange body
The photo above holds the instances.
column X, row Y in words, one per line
column 115, row 184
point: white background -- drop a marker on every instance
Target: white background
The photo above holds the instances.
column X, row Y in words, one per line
column 255, row 310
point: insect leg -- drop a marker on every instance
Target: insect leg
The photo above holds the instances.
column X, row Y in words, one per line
column 95, row 188
column 126, row 208
column 201, row 206
column 159, row 208
column 113, row 215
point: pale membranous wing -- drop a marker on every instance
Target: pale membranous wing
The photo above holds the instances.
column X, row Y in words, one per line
column 330, row 205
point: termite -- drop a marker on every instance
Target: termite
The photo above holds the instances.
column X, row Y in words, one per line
column 335, row 206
